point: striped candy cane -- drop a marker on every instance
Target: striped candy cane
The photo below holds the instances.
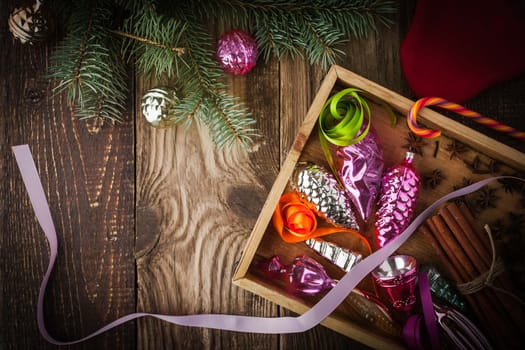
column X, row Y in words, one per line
column 442, row 103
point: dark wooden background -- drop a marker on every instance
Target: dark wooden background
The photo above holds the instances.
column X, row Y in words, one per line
column 154, row 220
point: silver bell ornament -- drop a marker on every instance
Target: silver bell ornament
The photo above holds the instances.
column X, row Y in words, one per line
column 28, row 24
column 157, row 105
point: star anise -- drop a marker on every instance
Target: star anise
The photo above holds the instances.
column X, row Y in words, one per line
column 415, row 144
column 486, row 198
column 433, row 179
column 456, row 149
column 511, row 185
column 493, row 166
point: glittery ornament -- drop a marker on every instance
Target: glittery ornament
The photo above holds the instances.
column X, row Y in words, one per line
column 444, row 289
column 157, row 104
column 28, row 25
column 237, row 52
column 321, row 188
column 397, row 201
column 360, row 168
column 343, row 258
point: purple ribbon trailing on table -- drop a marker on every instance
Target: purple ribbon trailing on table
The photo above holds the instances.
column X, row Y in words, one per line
column 268, row 325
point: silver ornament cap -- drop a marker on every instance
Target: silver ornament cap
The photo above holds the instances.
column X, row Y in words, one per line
column 157, row 104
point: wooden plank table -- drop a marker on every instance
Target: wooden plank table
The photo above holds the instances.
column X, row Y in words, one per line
column 155, row 220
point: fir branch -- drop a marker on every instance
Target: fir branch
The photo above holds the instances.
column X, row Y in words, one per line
column 87, row 65
column 228, row 121
column 153, row 42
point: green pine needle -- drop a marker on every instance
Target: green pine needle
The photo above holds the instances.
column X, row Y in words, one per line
column 169, row 41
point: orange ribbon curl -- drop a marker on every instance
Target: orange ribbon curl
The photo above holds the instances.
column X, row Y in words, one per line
column 296, row 221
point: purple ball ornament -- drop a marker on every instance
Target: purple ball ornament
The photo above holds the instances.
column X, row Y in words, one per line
column 237, row 52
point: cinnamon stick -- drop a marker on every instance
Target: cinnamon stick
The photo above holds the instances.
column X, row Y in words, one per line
column 481, row 258
column 454, row 273
column 500, row 327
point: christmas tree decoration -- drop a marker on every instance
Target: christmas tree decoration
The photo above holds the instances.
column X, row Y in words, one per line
column 307, row 276
column 321, row 188
column 157, row 106
column 397, row 276
column 397, row 200
column 445, row 51
column 444, row 289
column 343, row 258
column 237, row 52
column 172, row 43
column 28, row 25
column 360, row 169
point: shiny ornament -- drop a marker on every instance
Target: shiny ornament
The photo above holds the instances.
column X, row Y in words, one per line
column 28, row 25
column 397, row 201
column 307, row 276
column 397, row 276
column 343, row 258
column 321, row 189
column 360, row 168
column 444, row 289
column 237, row 52
column 157, row 104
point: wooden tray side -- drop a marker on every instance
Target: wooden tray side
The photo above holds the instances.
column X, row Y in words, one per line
column 432, row 119
column 306, row 147
column 364, row 335
column 286, row 171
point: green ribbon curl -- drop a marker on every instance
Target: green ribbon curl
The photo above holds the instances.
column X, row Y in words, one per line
column 341, row 120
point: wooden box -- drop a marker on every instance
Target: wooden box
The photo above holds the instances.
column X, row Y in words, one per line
column 454, row 169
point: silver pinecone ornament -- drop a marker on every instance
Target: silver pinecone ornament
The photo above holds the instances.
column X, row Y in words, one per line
column 320, row 188
column 28, row 25
column 157, row 106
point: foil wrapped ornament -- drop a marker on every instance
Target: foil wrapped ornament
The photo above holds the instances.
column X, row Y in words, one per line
column 28, row 25
column 320, row 188
column 157, row 106
column 360, row 168
column 444, row 289
column 397, row 200
column 237, row 52
column 343, row 258
column 307, row 276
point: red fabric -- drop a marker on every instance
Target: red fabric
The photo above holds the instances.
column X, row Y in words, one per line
column 455, row 49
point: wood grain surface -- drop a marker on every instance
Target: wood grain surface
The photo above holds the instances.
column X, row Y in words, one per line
column 155, row 219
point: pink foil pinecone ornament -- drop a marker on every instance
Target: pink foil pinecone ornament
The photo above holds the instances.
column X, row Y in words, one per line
column 237, row 52
column 397, row 201
column 360, row 167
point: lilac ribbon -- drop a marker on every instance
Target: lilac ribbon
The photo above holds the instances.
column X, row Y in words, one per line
column 268, row 325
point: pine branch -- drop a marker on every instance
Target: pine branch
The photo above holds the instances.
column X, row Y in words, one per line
column 88, row 66
column 167, row 39
column 229, row 122
column 153, row 41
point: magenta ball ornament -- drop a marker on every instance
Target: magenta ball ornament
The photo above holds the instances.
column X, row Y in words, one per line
column 237, row 52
